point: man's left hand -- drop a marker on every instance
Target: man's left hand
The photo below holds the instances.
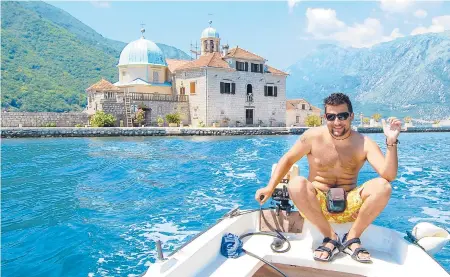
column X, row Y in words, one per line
column 391, row 129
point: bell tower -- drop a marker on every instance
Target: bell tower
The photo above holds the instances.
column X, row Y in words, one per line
column 210, row 40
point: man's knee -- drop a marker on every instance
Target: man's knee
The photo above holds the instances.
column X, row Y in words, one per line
column 384, row 188
column 299, row 185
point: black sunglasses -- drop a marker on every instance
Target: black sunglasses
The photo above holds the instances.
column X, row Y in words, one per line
column 340, row 116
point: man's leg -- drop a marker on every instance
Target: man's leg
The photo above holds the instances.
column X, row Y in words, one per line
column 303, row 193
column 375, row 196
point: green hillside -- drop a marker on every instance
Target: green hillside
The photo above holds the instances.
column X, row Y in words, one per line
column 49, row 58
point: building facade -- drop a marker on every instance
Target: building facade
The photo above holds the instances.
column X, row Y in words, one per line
column 297, row 110
column 222, row 87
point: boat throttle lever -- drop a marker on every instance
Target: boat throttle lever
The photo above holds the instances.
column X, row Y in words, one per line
column 281, row 196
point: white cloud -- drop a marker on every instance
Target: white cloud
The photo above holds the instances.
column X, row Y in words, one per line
column 396, row 34
column 101, row 4
column 395, row 6
column 420, row 13
column 324, row 24
column 439, row 24
column 291, row 4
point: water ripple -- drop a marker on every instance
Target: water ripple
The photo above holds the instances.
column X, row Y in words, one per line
column 95, row 206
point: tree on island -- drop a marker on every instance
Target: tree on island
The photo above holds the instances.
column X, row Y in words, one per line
column 101, row 119
column 312, row 120
column 140, row 116
column 376, row 117
column 366, row 120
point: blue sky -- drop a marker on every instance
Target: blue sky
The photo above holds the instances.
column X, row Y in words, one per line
column 280, row 31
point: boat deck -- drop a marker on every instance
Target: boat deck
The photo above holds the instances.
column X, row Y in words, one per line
column 297, row 259
column 300, row 271
column 390, row 253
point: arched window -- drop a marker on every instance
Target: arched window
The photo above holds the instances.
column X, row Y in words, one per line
column 211, row 42
column 249, row 89
column 206, row 45
column 249, row 93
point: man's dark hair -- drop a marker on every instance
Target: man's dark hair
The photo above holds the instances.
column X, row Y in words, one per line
column 336, row 99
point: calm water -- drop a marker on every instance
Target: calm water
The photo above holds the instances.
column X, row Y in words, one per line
column 93, row 206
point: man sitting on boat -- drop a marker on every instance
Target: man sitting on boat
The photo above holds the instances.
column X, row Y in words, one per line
column 335, row 155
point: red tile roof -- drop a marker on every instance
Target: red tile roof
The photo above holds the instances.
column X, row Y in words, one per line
column 239, row 53
column 216, row 60
column 292, row 104
column 273, row 70
column 102, row 85
column 174, row 64
column 208, row 60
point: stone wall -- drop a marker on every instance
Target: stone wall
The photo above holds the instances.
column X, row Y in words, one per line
column 217, row 107
column 29, row 119
column 157, row 108
column 117, row 109
column 167, row 131
column 267, row 110
column 197, row 100
column 144, row 131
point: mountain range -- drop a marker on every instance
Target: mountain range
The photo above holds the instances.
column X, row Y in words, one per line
column 409, row 76
column 49, row 58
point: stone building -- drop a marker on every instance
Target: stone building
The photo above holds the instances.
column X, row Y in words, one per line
column 297, row 110
column 222, row 87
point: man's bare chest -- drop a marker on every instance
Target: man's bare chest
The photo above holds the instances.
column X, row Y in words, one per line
column 332, row 156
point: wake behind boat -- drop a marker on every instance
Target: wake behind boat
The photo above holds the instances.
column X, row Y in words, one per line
column 393, row 253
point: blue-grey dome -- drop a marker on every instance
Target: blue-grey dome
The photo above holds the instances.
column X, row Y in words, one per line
column 142, row 51
column 210, row 32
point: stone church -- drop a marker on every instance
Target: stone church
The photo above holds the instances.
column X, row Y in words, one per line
column 222, row 87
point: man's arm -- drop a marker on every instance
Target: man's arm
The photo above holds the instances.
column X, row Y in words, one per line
column 301, row 148
column 385, row 166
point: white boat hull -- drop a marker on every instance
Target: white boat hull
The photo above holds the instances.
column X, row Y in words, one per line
column 392, row 255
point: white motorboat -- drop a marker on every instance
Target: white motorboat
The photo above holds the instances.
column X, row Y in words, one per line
column 392, row 253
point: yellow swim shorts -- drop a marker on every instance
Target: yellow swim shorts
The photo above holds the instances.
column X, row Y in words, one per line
column 354, row 203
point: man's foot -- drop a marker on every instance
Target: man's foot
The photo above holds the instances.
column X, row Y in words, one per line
column 352, row 246
column 329, row 248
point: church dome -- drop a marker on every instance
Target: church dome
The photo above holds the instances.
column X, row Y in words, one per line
column 210, row 32
column 142, row 51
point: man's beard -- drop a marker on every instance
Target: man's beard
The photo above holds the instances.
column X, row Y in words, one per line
column 338, row 132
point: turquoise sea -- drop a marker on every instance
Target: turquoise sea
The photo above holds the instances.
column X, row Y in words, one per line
column 94, row 206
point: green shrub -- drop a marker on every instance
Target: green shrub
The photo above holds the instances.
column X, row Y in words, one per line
column 173, row 118
column 78, row 125
column 140, row 116
column 312, row 120
column 376, row 117
column 49, row 124
column 142, row 106
column 160, row 121
column 366, row 120
column 101, row 119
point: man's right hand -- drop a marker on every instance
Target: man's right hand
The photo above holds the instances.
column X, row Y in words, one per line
column 263, row 194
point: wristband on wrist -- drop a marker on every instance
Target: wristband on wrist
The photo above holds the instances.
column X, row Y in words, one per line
column 394, row 144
